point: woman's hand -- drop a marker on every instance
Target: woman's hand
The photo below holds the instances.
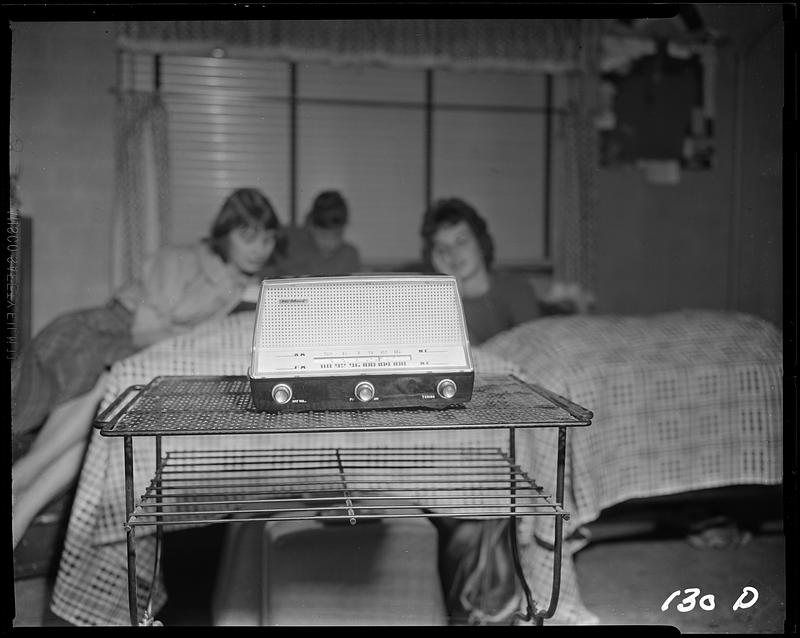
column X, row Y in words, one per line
column 568, row 298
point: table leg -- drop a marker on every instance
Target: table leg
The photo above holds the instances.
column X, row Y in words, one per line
column 512, row 530
column 148, row 619
column 129, row 530
column 559, row 531
column 538, row 616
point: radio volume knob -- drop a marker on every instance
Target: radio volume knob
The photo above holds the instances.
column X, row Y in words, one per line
column 446, row 388
column 365, row 391
column 281, row 393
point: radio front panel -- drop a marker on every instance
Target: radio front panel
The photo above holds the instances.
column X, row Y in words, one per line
column 317, row 338
column 302, row 362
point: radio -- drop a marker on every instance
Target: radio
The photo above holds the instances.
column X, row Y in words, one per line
column 360, row 342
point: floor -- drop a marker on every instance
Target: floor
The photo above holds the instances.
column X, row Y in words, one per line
column 628, row 582
column 625, row 576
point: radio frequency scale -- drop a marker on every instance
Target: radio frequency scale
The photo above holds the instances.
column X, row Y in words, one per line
column 360, row 342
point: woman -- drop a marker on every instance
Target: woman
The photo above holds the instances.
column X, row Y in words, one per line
column 58, row 380
column 456, row 241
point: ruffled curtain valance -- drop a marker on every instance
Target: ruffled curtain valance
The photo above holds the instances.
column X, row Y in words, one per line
column 553, row 45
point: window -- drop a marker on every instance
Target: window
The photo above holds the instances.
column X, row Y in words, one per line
column 361, row 130
column 227, row 128
column 388, row 139
column 488, row 147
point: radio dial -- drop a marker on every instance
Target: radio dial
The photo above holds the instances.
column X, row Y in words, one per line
column 281, row 393
column 446, row 388
column 365, row 391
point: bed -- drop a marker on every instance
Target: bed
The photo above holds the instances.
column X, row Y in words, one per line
column 682, row 401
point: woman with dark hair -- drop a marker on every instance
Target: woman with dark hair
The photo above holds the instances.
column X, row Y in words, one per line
column 57, row 382
column 456, row 241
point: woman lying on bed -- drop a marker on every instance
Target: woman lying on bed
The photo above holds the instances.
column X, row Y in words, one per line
column 58, row 380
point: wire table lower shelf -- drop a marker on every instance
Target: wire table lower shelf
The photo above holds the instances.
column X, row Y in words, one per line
column 339, row 484
column 345, row 484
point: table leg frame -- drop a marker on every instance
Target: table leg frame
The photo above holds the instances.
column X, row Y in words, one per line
column 532, row 614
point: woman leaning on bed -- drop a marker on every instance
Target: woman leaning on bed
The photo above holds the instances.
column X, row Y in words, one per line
column 58, row 380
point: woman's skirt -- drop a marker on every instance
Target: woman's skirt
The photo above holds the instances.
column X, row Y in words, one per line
column 62, row 362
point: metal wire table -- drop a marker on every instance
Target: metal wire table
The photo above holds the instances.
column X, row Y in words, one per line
column 338, row 483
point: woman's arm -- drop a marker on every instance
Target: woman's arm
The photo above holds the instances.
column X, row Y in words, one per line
column 159, row 292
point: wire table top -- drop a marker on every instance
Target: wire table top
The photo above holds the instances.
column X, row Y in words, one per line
column 176, row 405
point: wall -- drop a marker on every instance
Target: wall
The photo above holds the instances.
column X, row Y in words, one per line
column 757, row 252
column 662, row 247
column 715, row 239
column 712, row 241
column 62, row 142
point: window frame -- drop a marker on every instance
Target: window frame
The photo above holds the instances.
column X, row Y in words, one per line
column 536, row 265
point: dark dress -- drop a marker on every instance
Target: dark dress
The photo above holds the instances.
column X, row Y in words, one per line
column 64, row 361
column 303, row 257
column 509, row 302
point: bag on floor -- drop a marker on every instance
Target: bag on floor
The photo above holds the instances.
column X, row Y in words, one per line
column 484, row 589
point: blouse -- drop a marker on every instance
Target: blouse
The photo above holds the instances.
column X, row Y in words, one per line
column 509, row 301
column 182, row 287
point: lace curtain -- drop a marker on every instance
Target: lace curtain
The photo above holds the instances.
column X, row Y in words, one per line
column 141, row 208
column 575, row 187
column 544, row 45
column 570, row 48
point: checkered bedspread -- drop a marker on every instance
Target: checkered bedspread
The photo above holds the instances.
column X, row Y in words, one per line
column 682, row 401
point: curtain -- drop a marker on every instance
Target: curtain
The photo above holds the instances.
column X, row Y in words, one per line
column 525, row 45
column 141, row 208
column 575, row 189
column 569, row 48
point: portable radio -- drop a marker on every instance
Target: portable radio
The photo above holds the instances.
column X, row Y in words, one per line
column 360, row 342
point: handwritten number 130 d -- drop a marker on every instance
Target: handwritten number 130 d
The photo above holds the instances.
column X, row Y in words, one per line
column 747, row 599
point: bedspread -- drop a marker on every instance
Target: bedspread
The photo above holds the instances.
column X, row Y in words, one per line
column 681, row 401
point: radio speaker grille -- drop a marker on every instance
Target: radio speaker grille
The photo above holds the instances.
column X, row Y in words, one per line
column 375, row 312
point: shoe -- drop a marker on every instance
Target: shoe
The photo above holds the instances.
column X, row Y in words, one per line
column 719, row 532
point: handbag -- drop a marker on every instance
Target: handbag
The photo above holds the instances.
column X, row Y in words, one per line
column 478, row 562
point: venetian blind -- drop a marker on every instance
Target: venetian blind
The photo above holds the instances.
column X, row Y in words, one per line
column 227, row 122
column 489, row 149
column 360, row 130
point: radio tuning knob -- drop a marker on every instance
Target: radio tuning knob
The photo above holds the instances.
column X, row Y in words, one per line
column 365, row 391
column 281, row 393
column 446, row 388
